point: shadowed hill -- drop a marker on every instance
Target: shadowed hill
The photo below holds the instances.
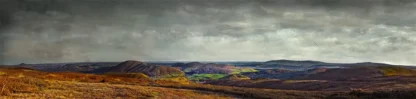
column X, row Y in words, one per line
column 360, row 72
column 356, row 77
column 201, row 68
column 84, row 67
column 294, row 63
column 298, row 65
column 267, row 73
column 344, row 74
column 235, row 77
column 75, row 68
column 211, row 68
column 148, row 69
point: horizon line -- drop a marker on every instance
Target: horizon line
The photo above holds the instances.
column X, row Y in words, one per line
column 204, row 61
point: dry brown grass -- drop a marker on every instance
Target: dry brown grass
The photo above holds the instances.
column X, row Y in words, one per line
column 256, row 93
column 173, row 80
column 16, row 81
column 20, row 85
column 24, row 83
column 82, row 90
column 396, row 71
column 31, row 84
column 92, row 78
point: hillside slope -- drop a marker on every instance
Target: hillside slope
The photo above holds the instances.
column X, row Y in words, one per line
column 210, row 68
column 339, row 79
column 148, row 69
column 202, row 68
column 18, row 83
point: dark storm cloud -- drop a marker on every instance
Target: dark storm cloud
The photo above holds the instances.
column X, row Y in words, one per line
column 117, row 30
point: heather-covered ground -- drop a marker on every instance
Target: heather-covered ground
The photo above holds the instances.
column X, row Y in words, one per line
column 134, row 79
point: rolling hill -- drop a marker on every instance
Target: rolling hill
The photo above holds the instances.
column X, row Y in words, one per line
column 123, row 80
column 140, row 67
column 204, row 68
column 337, row 79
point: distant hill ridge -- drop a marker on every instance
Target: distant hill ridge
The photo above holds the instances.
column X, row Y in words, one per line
column 148, row 69
column 295, row 61
column 198, row 68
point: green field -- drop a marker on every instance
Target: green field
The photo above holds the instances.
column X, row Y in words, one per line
column 197, row 77
column 242, row 70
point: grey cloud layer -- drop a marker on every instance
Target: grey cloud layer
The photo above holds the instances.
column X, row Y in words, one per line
column 342, row 31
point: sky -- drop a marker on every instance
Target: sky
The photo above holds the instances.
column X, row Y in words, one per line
column 51, row 31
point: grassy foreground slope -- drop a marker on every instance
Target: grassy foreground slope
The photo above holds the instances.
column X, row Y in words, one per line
column 27, row 83
column 31, row 84
column 256, row 93
column 82, row 90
